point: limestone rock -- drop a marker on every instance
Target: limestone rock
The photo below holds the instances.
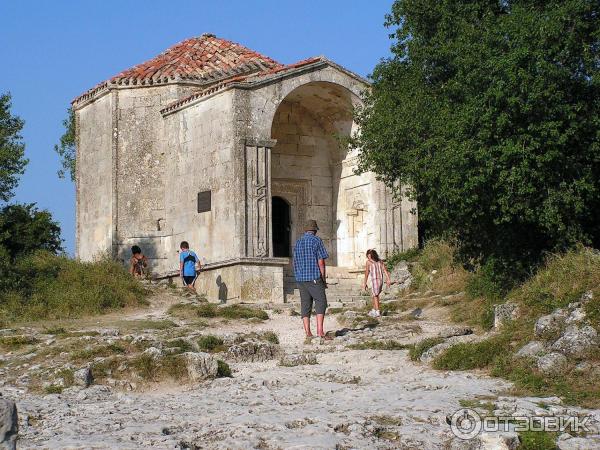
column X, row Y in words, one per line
column 9, row 424
column 531, row 350
column 578, row 443
column 586, row 297
column 200, row 366
column 83, row 377
column 577, row 315
column 455, row 331
column 507, row 440
column 297, row 359
column 416, row 313
column 153, row 351
column 251, row 351
column 109, row 332
column 552, row 363
column 577, row 341
column 505, row 313
column 551, row 324
column 401, row 276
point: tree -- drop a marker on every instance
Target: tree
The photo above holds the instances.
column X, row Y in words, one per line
column 66, row 149
column 12, row 149
column 489, row 111
column 24, row 229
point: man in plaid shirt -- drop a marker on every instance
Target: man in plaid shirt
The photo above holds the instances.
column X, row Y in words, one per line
column 309, row 269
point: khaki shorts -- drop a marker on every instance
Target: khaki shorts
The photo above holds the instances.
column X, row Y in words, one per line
column 312, row 292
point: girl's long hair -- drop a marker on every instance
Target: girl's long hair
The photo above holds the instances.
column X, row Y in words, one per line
column 374, row 255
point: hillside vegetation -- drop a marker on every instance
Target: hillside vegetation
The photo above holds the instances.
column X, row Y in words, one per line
column 42, row 286
column 559, row 285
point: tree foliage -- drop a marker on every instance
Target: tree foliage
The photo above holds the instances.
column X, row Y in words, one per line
column 24, row 229
column 489, row 111
column 12, row 149
column 66, row 148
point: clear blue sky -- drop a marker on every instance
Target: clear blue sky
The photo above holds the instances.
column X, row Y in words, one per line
column 51, row 51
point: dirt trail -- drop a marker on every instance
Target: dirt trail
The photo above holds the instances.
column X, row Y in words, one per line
column 350, row 399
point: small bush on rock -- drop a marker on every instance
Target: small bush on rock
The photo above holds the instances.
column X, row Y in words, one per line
column 224, row 371
column 417, row 350
column 210, row 343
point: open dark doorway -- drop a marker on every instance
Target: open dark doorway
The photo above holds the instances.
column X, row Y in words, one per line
column 281, row 227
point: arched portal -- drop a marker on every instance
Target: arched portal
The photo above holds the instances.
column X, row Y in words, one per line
column 281, row 227
column 309, row 162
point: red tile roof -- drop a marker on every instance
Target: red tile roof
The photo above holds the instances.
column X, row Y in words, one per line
column 239, row 79
column 204, row 60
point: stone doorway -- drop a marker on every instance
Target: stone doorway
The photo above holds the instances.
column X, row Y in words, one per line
column 281, row 227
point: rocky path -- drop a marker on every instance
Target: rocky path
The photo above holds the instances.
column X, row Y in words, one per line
column 349, row 399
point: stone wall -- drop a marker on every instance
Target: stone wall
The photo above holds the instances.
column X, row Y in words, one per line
column 95, row 177
column 201, row 148
column 245, row 281
column 142, row 153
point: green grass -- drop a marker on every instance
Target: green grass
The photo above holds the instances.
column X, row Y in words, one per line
column 211, row 344
column 417, row 350
column 147, row 324
column 56, row 287
column 470, row 355
column 16, row 342
column 478, row 404
column 267, row 336
column 85, row 355
column 181, row 345
column 146, row 366
column 68, row 376
column 562, row 280
column 209, row 311
column 53, row 389
column 379, row 345
column 538, row 440
column 396, row 257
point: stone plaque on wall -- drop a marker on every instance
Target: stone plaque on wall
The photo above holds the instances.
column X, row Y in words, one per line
column 204, row 201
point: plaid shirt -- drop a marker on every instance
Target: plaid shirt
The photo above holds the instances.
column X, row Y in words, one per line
column 309, row 249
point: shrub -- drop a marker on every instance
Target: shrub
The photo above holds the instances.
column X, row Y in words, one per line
column 223, row 370
column 271, row 337
column 210, row 343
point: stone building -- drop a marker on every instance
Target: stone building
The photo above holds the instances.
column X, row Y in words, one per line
column 216, row 144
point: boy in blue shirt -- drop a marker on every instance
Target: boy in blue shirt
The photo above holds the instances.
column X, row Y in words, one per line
column 187, row 266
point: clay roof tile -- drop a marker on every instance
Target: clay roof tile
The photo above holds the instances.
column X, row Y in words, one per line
column 206, row 57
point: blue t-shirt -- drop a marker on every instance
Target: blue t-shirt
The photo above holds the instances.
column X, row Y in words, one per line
column 188, row 258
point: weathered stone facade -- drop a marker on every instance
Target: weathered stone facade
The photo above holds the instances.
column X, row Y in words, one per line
column 263, row 138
